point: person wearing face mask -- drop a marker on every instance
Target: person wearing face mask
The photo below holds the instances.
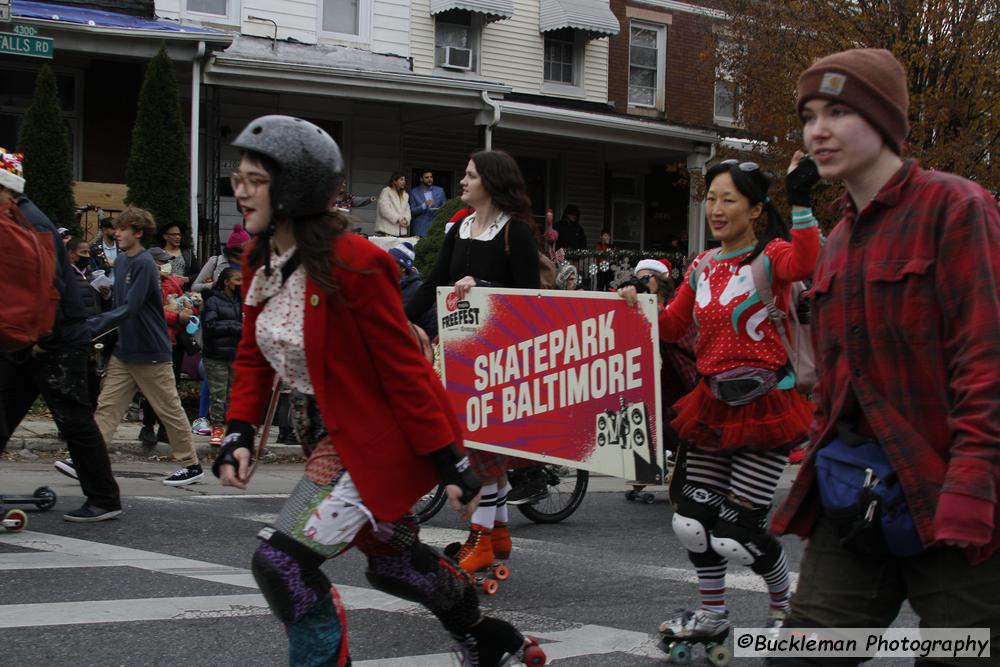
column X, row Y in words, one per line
column 222, row 319
column 744, row 416
column 79, row 256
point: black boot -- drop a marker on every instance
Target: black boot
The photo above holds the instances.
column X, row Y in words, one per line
column 493, row 643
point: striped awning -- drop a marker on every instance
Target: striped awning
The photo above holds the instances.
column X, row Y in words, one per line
column 590, row 16
column 493, row 9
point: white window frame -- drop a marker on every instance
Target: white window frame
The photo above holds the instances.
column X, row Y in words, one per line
column 363, row 35
column 231, row 15
column 722, row 118
column 576, row 87
column 476, row 26
column 661, row 56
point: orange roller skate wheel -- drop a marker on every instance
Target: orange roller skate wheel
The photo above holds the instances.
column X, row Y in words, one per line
column 490, row 587
column 534, row 656
column 501, row 572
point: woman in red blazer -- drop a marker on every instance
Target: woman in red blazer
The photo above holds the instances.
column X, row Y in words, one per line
column 323, row 312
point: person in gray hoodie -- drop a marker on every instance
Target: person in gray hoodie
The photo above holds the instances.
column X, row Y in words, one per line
column 142, row 358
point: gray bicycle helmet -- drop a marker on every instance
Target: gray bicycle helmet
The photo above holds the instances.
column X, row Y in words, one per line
column 308, row 159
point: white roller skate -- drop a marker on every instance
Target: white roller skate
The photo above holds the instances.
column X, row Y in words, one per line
column 496, row 643
column 679, row 634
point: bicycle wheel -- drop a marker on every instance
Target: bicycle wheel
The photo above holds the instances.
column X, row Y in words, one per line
column 566, row 488
column 430, row 504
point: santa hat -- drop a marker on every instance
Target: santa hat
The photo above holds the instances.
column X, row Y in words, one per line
column 404, row 255
column 237, row 237
column 652, row 265
column 11, row 171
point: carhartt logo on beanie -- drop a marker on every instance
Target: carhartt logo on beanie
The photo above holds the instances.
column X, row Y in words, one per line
column 11, row 171
column 870, row 81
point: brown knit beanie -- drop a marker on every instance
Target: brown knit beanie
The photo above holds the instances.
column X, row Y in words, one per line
column 870, row 81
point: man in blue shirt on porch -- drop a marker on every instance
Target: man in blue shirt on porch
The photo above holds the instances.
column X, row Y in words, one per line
column 425, row 200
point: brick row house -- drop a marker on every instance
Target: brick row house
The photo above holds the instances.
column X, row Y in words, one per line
column 605, row 105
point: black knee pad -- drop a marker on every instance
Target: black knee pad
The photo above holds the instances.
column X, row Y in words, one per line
column 743, row 539
column 288, row 575
column 695, row 516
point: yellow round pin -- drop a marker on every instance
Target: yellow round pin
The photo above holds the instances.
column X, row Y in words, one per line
column 314, row 300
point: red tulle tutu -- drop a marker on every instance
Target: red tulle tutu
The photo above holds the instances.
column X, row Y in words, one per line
column 777, row 419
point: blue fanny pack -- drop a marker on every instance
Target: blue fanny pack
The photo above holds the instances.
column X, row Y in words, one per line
column 861, row 494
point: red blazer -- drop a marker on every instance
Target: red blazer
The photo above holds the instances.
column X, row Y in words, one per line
column 383, row 405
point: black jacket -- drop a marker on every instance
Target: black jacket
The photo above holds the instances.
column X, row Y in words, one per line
column 89, row 297
column 222, row 324
column 571, row 235
column 70, row 328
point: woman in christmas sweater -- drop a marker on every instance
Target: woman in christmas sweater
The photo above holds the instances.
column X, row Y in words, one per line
column 493, row 244
column 745, row 414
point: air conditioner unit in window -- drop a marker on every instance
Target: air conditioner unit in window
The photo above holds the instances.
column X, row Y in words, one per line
column 457, row 58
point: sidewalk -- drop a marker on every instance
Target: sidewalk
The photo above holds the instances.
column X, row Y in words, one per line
column 38, row 437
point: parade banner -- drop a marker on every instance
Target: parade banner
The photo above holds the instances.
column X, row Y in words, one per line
column 570, row 378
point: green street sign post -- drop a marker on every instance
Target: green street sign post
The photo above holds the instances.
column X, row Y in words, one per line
column 24, row 41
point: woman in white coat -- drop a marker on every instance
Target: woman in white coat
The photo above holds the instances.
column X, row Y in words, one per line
column 393, row 215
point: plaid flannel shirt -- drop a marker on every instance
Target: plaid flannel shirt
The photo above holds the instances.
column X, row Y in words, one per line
column 906, row 327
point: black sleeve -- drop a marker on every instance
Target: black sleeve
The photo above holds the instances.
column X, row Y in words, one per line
column 426, row 296
column 523, row 256
column 193, row 266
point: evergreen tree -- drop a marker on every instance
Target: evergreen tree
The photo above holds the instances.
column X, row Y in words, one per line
column 157, row 172
column 47, row 173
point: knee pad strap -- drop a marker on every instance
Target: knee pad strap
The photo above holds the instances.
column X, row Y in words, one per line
column 739, row 536
column 696, row 514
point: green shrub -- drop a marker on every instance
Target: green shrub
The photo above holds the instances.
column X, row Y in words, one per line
column 429, row 246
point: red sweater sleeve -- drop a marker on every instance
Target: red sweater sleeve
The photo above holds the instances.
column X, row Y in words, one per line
column 796, row 260
column 963, row 518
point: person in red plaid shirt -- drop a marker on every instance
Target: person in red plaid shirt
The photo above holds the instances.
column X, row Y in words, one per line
column 906, row 322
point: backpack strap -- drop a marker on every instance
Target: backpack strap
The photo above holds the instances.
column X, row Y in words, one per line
column 703, row 266
column 762, row 283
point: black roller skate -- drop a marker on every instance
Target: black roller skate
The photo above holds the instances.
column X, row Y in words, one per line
column 496, row 643
column 679, row 634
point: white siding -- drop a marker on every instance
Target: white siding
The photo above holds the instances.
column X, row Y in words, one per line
column 295, row 18
column 422, row 36
column 168, row 9
column 512, row 50
column 595, row 70
column 391, row 27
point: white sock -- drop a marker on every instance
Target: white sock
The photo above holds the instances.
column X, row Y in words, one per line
column 486, row 513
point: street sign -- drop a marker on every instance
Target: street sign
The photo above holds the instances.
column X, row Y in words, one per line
column 24, row 41
column 4, row 10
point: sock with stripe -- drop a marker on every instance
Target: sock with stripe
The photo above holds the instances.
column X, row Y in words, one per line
column 486, row 514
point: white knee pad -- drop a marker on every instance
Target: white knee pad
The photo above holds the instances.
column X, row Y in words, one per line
column 691, row 532
column 734, row 550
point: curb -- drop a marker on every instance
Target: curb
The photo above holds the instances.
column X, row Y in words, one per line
column 53, row 445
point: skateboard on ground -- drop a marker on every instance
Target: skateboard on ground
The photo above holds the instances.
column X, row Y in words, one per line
column 14, row 520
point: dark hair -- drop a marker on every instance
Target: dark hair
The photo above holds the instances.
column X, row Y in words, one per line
column 503, row 181
column 426, row 171
column 163, row 230
column 571, row 209
column 665, row 286
column 395, row 175
column 75, row 242
column 754, row 186
column 226, row 274
column 140, row 220
column 313, row 235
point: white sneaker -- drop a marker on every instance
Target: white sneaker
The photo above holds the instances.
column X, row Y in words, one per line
column 65, row 466
column 200, row 426
column 697, row 625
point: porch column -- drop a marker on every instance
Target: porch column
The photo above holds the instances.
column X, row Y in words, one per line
column 696, row 206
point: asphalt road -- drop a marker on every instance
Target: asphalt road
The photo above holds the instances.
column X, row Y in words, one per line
column 168, row 584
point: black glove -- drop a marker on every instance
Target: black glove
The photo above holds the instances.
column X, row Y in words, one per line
column 454, row 469
column 238, row 434
column 800, row 181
